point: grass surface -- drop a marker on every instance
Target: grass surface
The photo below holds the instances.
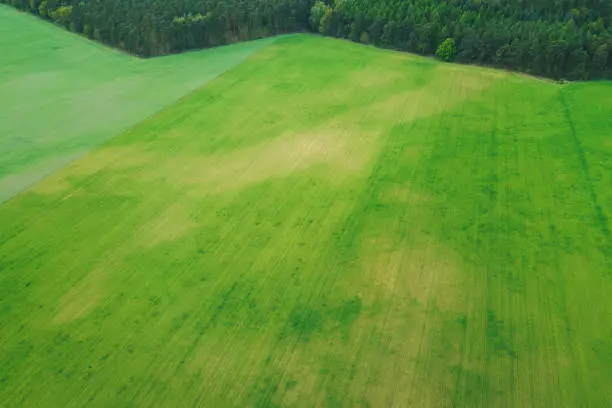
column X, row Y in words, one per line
column 326, row 225
column 61, row 94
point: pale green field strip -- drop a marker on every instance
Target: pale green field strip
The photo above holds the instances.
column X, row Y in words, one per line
column 325, row 225
column 61, row 94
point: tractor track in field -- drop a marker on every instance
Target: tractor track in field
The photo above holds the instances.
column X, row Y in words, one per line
column 602, row 219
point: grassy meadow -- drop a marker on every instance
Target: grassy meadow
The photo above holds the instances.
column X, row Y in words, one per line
column 61, row 94
column 325, row 224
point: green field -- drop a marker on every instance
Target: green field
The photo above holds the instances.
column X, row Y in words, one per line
column 325, row 224
column 61, row 95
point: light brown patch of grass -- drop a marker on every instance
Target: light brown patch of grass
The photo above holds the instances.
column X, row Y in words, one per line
column 340, row 150
column 371, row 77
column 51, row 185
column 82, row 298
column 405, row 193
column 422, row 273
column 454, row 85
column 299, row 382
column 54, row 184
column 108, row 158
column 170, row 225
column 412, row 285
column 113, row 157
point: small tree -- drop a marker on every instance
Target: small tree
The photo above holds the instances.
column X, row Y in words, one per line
column 97, row 35
column 42, row 9
column 364, row 38
column 447, row 50
column 33, row 6
column 62, row 15
column 326, row 20
column 316, row 14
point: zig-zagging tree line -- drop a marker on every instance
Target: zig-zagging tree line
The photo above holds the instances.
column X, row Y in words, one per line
column 555, row 38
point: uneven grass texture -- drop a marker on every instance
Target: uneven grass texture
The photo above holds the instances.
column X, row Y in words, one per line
column 61, row 94
column 325, row 225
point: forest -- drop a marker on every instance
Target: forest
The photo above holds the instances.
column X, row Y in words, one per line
column 566, row 39
column 157, row 27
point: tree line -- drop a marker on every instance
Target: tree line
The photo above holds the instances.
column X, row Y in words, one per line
column 157, row 27
column 569, row 39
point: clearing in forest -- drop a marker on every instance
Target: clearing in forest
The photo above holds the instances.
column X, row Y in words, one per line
column 327, row 224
